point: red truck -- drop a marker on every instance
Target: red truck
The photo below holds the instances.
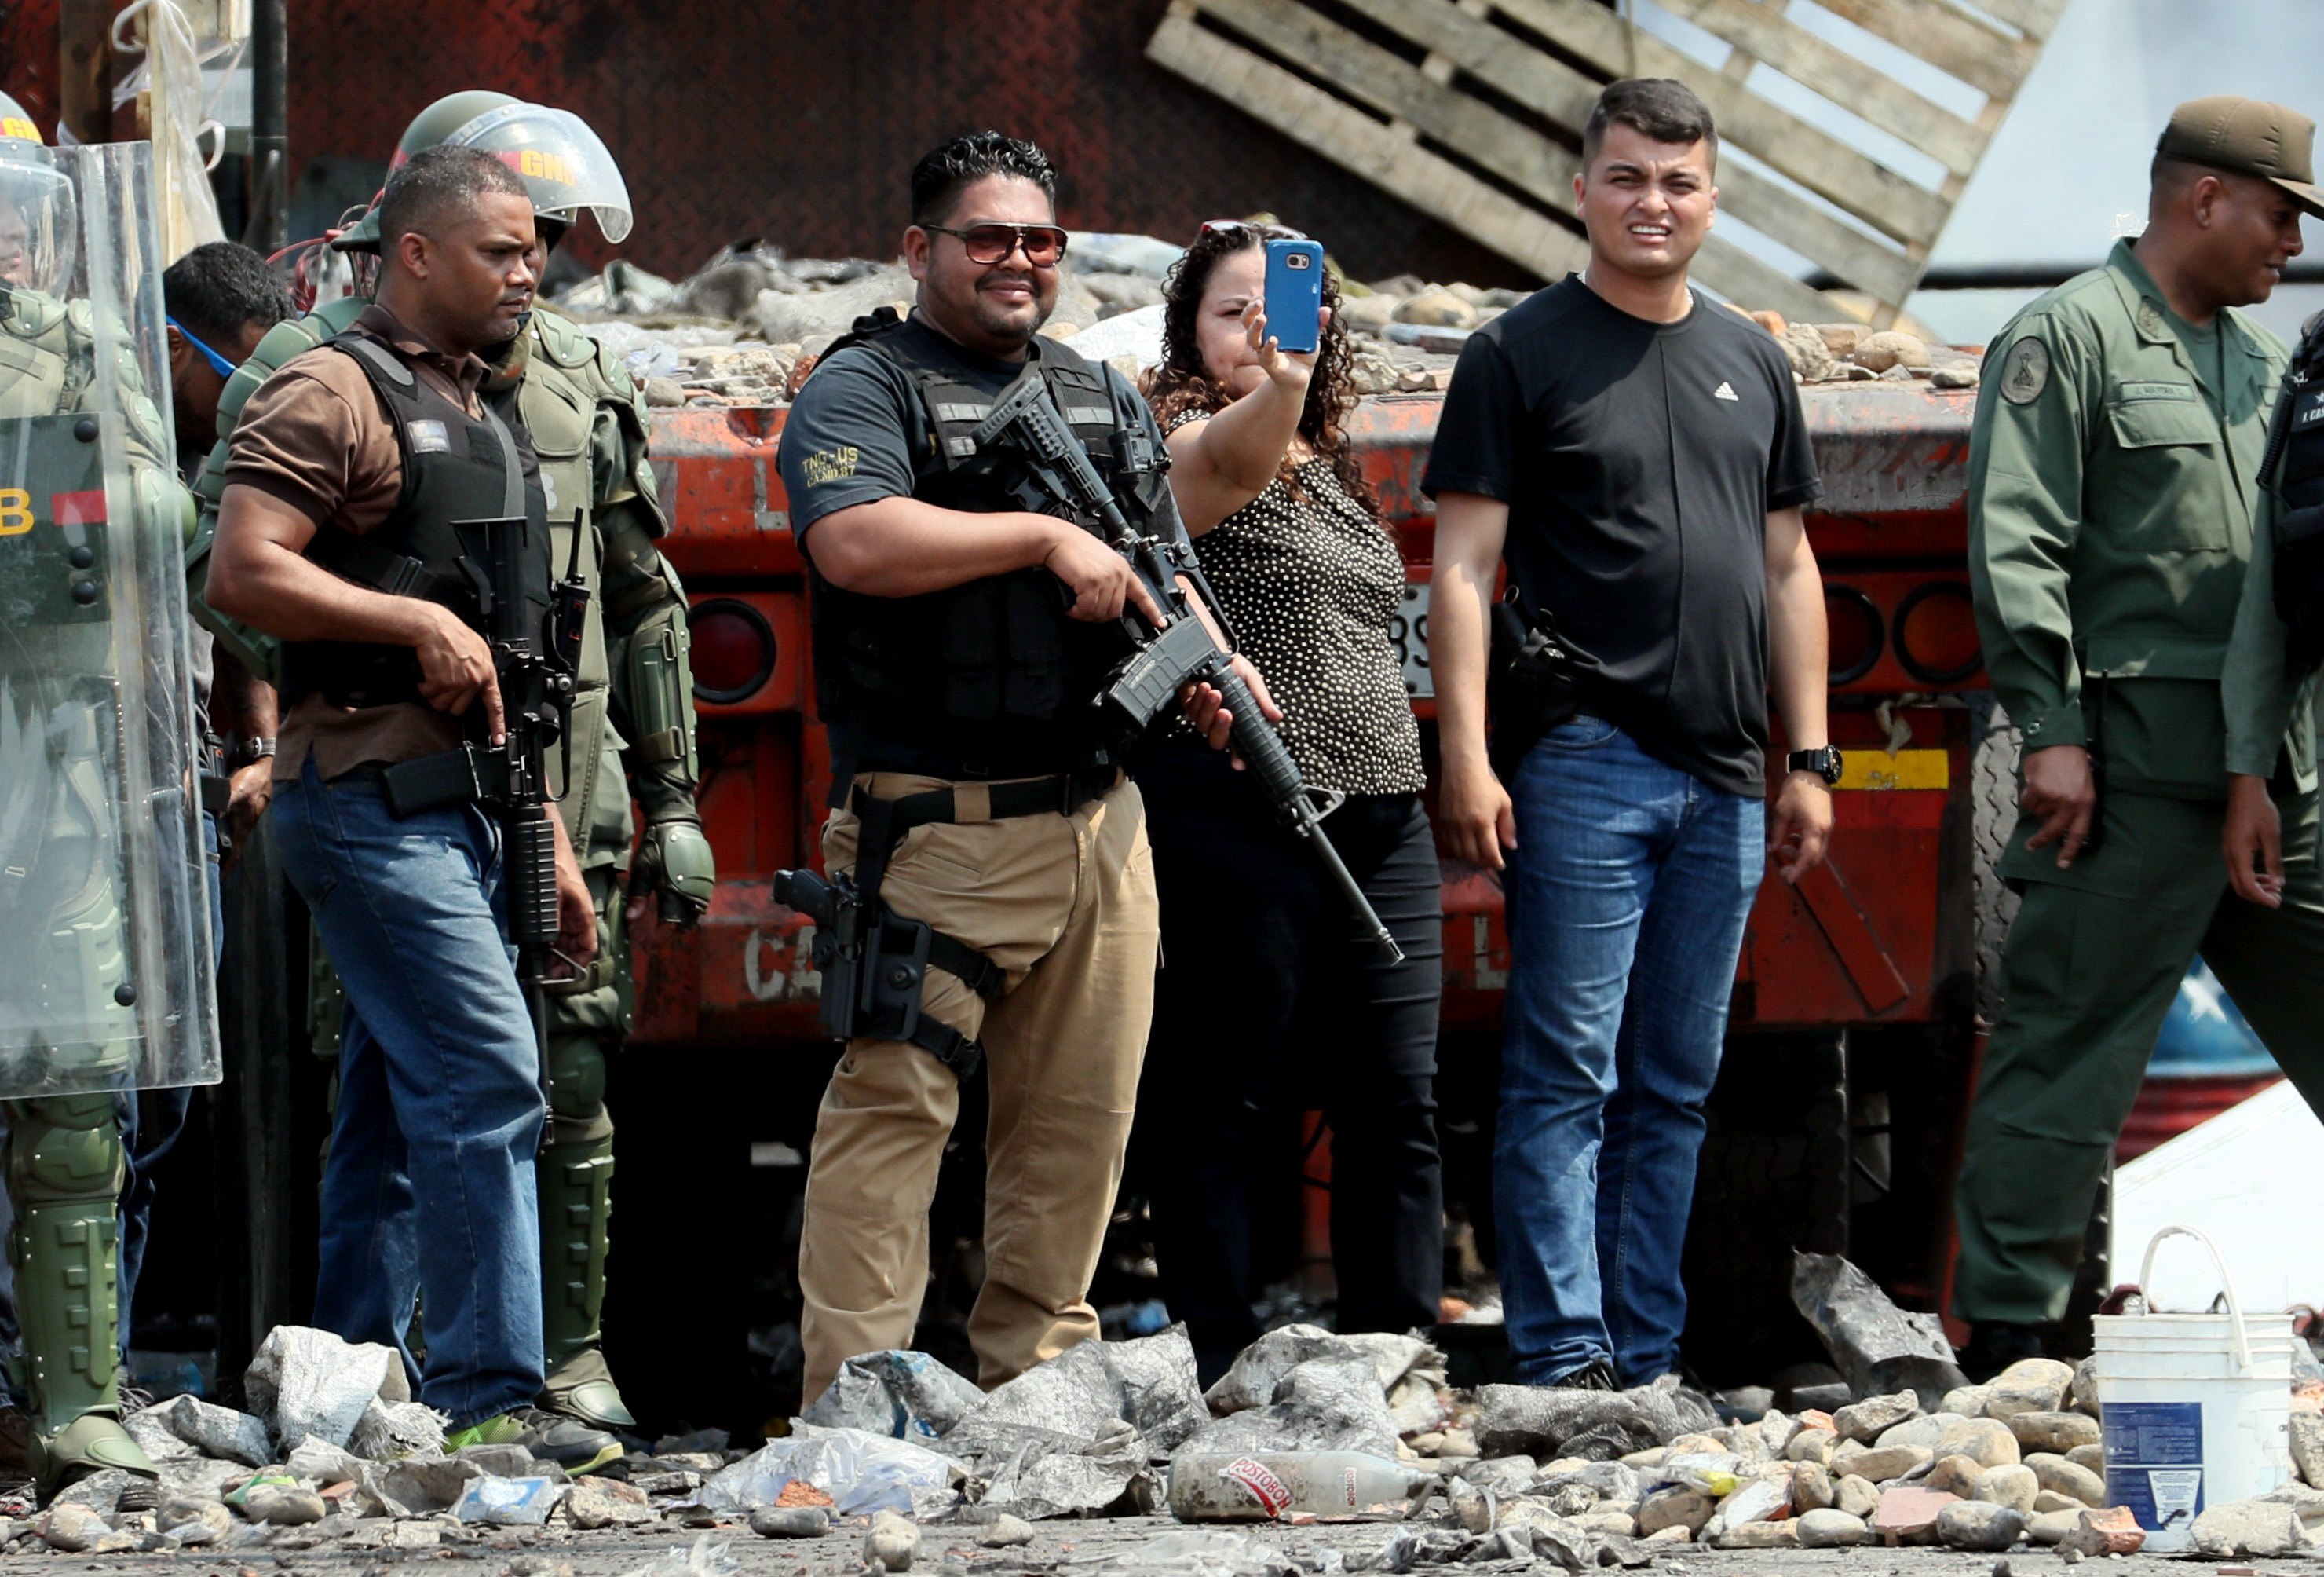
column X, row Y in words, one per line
column 1855, row 1006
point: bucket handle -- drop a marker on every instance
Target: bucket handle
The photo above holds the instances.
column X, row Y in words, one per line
column 2235, row 1304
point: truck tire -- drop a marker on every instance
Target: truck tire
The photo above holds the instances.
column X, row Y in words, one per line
column 1994, row 744
column 1774, row 1175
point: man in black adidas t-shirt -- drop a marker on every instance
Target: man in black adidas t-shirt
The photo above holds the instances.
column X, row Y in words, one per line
column 1637, row 451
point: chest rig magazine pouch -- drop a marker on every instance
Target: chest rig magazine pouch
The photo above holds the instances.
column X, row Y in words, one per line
column 1530, row 686
column 2294, row 472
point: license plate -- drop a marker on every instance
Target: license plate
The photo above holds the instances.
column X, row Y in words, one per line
column 1408, row 631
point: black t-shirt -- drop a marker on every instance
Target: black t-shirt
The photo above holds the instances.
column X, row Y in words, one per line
column 1639, row 462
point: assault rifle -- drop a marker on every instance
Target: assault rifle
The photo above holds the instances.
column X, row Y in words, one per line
column 1180, row 649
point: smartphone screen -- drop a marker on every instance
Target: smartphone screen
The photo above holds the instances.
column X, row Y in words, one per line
column 1294, row 293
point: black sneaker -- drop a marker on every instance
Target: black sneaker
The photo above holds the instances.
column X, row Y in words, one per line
column 1993, row 1346
column 1597, row 1375
column 568, row 1443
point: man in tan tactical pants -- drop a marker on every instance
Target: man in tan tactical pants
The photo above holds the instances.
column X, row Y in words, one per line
column 1066, row 906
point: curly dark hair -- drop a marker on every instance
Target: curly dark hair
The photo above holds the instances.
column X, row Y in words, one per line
column 947, row 169
column 1179, row 384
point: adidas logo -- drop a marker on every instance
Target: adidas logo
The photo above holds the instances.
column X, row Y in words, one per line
column 1725, row 392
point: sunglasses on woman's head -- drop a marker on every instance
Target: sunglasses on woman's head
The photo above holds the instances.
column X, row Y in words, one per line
column 1260, row 228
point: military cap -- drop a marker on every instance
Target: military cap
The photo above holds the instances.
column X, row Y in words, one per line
column 2248, row 136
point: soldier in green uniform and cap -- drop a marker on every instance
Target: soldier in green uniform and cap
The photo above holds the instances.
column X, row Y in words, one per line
column 2114, row 470
column 105, row 960
column 632, row 728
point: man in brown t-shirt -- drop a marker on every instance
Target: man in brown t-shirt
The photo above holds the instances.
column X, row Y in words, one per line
column 362, row 454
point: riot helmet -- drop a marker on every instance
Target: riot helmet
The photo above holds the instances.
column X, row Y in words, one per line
column 563, row 164
column 37, row 223
column 448, row 115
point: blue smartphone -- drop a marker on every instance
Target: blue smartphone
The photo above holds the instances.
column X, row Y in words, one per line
column 1294, row 293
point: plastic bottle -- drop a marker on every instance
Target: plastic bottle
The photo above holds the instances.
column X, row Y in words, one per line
column 1266, row 1486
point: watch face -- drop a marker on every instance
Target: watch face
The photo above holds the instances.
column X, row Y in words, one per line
column 1832, row 763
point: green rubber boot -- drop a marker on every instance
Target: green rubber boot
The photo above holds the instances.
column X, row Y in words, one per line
column 65, row 1167
column 575, row 1177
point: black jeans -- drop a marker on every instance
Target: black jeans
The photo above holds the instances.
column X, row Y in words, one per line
column 1270, row 1001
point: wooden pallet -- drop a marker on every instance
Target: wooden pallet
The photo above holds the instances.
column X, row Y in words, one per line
column 1425, row 121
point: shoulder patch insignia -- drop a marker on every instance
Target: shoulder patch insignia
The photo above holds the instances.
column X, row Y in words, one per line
column 2150, row 317
column 2025, row 371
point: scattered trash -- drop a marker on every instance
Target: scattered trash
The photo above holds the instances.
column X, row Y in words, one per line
column 1879, row 1349
column 703, row 1559
column 213, row 1430
column 523, row 1502
column 907, row 1395
column 861, row 1472
column 1272, row 1486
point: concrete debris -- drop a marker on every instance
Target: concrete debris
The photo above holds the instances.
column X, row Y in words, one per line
column 1908, row 1514
column 1830, row 1529
column 2056, row 1474
column 2263, row 1530
column 206, row 1429
column 1975, row 1525
column 907, row 1395
column 1873, row 1417
column 283, row 1504
column 1877, row 1347
column 1004, row 1533
column 892, row 1543
column 2057, row 1433
column 1761, row 1501
column 2112, row 1532
column 72, row 1526
column 305, row 1382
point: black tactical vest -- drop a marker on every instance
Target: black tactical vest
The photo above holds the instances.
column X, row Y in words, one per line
column 992, row 678
column 456, row 469
column 2295, row 473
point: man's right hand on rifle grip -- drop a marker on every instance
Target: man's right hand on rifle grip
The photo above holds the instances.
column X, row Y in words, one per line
column 1099, row 578
column 455, row 669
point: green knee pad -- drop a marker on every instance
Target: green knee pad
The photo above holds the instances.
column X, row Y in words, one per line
column 65, row 1167
column 575, row 1177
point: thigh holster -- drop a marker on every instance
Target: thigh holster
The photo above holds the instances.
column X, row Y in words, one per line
column 874, row 961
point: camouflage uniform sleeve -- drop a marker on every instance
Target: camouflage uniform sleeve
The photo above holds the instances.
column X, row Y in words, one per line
column 2256, row 692
column 2026, row 459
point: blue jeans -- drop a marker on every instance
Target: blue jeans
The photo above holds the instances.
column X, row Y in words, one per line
column 1627, row 893
column 152, row 1120
column 429, row 1184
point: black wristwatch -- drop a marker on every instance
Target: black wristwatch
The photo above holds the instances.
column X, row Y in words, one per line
column 249, row 753
column 1824, row 763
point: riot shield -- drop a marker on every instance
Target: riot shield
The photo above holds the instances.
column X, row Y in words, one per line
column 105, row 979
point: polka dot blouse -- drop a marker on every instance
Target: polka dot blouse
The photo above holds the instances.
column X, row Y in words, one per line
column 1311, row 582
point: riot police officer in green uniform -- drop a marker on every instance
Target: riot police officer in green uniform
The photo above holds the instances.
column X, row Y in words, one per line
column 104, row 973
column 633, row 727
column 2114, row 471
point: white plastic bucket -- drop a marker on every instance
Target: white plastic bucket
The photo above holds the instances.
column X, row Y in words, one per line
column 2197, row 1408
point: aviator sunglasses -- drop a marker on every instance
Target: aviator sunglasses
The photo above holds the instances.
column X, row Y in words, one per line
column 987, row 244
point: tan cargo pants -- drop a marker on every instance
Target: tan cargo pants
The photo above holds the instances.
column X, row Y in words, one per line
column 1066, row 906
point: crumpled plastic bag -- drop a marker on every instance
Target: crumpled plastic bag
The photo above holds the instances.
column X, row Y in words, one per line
column 1877, row 1348
column 1257, row 1375
column 523, row 1502
column 1065, row 1403
column 211, row 1430
column 861, row 1472
column 907, row 1395
column 1546, row 1424
column 305, row 1382
column 1334, row 1403
column 417, row 1486
column 324, row 1462
column 1157, row 1375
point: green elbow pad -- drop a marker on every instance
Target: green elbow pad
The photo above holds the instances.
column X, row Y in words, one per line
column 660, row 682
column 261, row 653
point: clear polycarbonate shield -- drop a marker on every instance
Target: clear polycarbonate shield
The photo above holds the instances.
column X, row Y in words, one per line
column 562, row 162
column 39, row 219
column 106, row 978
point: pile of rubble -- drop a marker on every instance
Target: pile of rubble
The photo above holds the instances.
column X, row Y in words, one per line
column 1890, row 1447
column 746, row 328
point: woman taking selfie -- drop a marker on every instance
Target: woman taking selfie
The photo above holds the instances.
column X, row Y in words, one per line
column 1290, row 1009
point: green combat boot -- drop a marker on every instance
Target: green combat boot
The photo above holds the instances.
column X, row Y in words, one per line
column 568, row 1443
column 65, row 1167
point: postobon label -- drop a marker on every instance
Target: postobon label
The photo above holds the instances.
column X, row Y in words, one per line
column 1348, row 1488
column 1269, row 1490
